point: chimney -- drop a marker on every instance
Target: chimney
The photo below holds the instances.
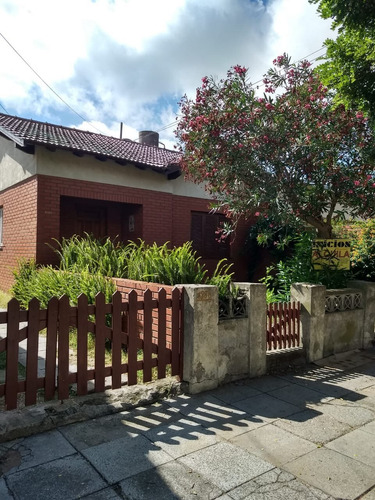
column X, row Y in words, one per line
column 149, row 137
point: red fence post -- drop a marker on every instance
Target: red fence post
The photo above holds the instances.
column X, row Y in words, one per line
column 162, row 316
column 32, row 352
column 63, row 348
column 11, row 377
column 116, row 340
column 133, row 338
column 99, row 342
column 82, row 333
column 51, row 348
column 147, row 336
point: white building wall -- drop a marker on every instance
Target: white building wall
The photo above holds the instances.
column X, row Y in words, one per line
column 15, row 165
column 87, row 168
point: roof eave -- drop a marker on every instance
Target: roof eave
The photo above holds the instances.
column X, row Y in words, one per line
column 12, row 137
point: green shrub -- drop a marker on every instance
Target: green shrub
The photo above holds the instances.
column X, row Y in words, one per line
column 46, row 282
column 92, row 255
column 298, row 268
column 222, row 278
column 86, row 264
column 362, row 236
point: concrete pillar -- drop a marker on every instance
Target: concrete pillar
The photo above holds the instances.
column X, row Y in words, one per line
column 368, row 296
column 312, row 298
column 257, row 318
column 201, row 339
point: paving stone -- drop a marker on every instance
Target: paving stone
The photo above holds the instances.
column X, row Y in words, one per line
column 277, row 485
column 182, row 437
column 368, row 369
column 357, row 445
column 67, row 478
column 111, row 427
column 266, row 383
column 273, row 444
column 4, row 492
column 346, row 360
column 34, row 450
column 314, row 426
column 225, row 465
column 235, row 392
column 125, row 457
column 266, row 408
column 370, row 495
column 228, row 429
column 370, row 427
column 143, row 419
column 106, row 494
column 326, row 380
column 354, row 381
column 297, row 395
column 338, row 475
column 217, row 416
column 169, row 482
column 344, row 411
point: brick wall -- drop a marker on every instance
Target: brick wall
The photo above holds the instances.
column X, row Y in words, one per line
column 125, row 286
column 164, row 217
column 19, row 227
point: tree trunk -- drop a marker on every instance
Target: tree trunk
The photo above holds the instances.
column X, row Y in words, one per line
column 324, row 228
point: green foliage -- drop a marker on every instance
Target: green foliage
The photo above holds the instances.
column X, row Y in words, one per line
column 90, row 254
column 350, row 58
column 298, row 269
column 86, row 264
column 45, row 283
column 362, row 236
column 349, row 13
column 222, row 278
column 161, row 264
column 4, row 299
column 292, row 154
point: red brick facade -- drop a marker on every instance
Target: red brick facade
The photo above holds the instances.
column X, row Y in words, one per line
column 19, row 227
column 33, row 217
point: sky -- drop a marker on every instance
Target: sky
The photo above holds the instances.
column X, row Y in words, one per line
column 131, row 61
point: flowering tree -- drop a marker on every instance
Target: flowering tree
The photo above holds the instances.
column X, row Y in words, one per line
column 291, row 154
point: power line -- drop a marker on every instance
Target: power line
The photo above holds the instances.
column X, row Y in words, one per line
column 4, row 109
column 49, row 86
column 169, row 125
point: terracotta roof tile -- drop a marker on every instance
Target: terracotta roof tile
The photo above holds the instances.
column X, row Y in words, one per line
column 29, row 132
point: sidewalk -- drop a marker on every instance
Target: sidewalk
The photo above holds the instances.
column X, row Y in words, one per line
column 294, row 436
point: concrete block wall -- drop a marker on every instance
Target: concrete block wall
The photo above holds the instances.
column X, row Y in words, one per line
column 216, row 352
column 324, row 333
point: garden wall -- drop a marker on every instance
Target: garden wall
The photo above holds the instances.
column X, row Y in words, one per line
column 335, row 321
column 216, row 352
column 124, row 286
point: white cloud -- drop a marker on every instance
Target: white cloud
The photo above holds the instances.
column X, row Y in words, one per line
column 132, row 60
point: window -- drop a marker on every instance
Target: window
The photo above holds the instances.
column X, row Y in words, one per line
column 204, row 237
column 1, row 226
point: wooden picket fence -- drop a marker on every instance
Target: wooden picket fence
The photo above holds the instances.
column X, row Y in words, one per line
column 283, row 325
column 146, row 353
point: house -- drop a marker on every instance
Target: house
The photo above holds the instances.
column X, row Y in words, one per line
column 57, row 181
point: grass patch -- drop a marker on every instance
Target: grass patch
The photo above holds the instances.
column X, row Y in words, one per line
column 4, row 299
column 3, row 365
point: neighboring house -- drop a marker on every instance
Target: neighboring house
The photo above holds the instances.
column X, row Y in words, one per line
column 57, row 181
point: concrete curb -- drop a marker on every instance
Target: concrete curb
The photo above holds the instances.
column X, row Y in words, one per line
column 43, row 417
